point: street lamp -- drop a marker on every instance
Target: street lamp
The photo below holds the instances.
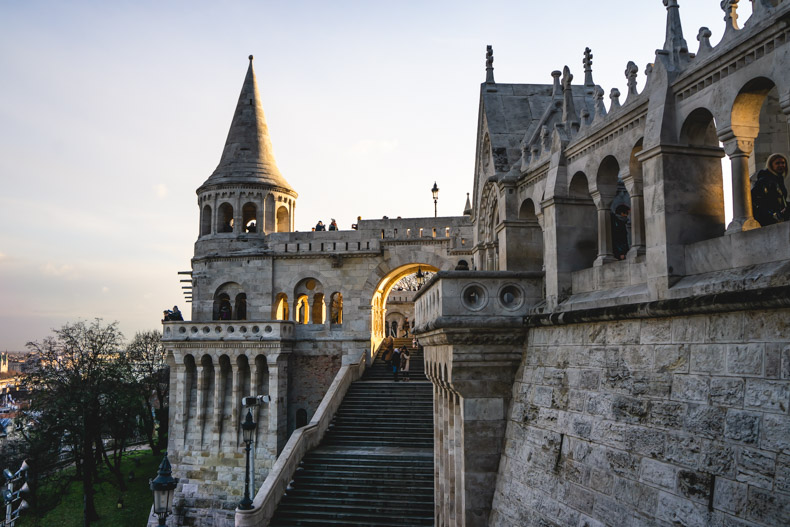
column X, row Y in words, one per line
column 163, row 486
column 420, row 278
column 435, row 192
column 247, row 432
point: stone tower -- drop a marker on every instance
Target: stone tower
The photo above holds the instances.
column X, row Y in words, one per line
column 246, row 195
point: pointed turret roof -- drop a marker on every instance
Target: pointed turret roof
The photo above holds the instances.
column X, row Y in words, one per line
column 248, row 156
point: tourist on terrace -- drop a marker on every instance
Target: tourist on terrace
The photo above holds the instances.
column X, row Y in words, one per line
column 333, row 225
column 769, row 193
column 320, row 226
column 620, row 231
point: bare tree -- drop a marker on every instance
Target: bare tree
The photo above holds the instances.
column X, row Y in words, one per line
column 149, row 361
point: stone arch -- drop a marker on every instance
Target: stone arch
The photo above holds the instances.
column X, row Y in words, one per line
column 634, row 185
column 224, row 296
column 225, row 217
column 249, row 215
column 241, row 307
column 283, row 219
column 305, row 310
column 302, row 309
column 280, row 308
column 704, row 195
column 336, row 308
column 580, row 249
column 205, row 220
column 532, row 236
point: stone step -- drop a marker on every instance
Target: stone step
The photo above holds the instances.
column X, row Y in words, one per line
column 403, row 516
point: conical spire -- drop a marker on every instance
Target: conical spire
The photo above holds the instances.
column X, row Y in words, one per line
column 248, row 156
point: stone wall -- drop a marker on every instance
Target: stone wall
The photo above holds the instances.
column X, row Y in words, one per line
column 663, row 421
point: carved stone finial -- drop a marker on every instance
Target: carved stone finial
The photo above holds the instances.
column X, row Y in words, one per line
column 567, row 78
column 568, row 108
column 585, row 119
column 675, row 46
column 704, row 41
column 545, row 141
column 730, row 8
column 587, row 61
column 489, row 65
column 557, row 91
column 600, row 108
column 614, row 96
column 631, row 71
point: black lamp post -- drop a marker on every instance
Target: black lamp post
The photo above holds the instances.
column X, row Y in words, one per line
column 247, row 432
column 163, row 486
column 435, row 192
column 420, row 278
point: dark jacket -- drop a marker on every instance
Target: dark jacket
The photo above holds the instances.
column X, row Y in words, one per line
column 769, row 198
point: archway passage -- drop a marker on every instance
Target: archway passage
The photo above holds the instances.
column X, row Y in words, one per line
column 378, row 303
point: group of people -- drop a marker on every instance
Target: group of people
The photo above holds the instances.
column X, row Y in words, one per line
column 172, row 314
column 769, row 192
column 397, row 358
column 321, row 227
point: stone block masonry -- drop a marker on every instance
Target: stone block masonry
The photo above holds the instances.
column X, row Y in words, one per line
column 671, row 421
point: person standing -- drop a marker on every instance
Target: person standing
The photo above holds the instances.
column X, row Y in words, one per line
column 769, row 193
column 333, row 225
column 620, row 231
column 405, row 356
column 395, row 364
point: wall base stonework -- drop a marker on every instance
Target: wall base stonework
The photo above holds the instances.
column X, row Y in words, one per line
column 663, row 421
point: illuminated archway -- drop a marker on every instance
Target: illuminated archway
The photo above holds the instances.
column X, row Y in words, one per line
column 378, row 304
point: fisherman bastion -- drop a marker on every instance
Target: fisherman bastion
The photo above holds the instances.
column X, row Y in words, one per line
column 563, row 386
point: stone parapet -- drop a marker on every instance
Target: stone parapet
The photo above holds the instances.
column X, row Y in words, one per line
column 216, row 330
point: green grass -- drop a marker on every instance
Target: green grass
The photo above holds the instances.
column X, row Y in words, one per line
column 137, row 499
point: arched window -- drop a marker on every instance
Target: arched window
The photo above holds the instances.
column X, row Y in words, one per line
column 533, row 237
column 302, row 310
column 281, row 307
column 249, row 212
column 582, row 239
column 225, row 218
column 319, row 309
column 222, row 307
column 205, row 220
column 283, row 219
column 336, row 308
column 241, row 306
column 301, row 418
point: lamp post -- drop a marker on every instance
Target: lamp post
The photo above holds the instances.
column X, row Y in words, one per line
column 247, row 432
column 420, row 278
column 435, row 192
column 163, row 486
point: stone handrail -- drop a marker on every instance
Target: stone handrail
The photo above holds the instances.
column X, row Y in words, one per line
column 301, row 441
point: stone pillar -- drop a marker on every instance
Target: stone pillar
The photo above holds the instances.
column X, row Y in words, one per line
column 470, row 416
column 278, row 410
column 238, row 216
column 605, row 253
column 739, row 149
column 201, row 399
column 236, row 407
column 179, row 406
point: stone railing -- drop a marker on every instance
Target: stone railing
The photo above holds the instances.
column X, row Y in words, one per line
column 300, row 443
column 227, row 330
column 480, row 294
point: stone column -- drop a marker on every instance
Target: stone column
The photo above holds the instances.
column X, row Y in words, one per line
column 179, row 407
column 605, row 253
column 235, row 411
column 278, row 391
column 470, row 416
column 238, row 216
column 739, row 149
column 201, row 398
column 219, row 391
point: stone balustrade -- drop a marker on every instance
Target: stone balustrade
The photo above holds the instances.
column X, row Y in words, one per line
column 227, row 330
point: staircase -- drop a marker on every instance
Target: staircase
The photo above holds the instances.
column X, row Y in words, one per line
column 374, row 466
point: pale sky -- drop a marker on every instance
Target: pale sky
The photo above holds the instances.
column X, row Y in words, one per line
column 113, row 113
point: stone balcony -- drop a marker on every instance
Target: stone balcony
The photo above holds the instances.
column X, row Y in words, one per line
column 458, row 297
column 231, row 330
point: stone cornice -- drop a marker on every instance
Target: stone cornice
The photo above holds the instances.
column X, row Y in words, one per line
column 237, row 344
column 697, row 151
column 754, row 299
column 211, row 187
